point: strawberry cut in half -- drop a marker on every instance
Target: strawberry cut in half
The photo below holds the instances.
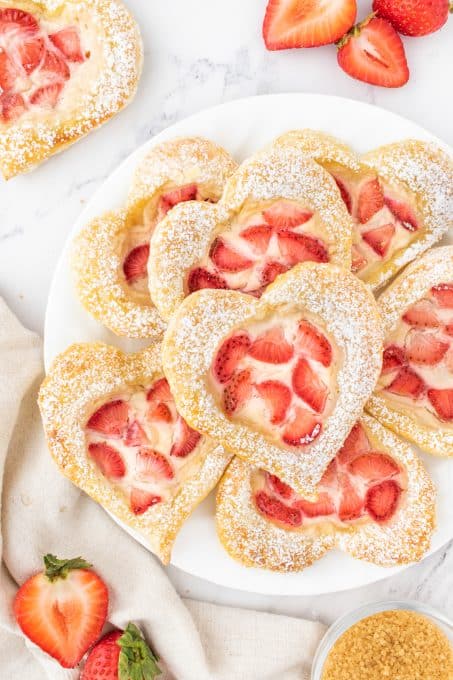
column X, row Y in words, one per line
column 135, row 435
column 185, row 439
column 351, row 505
column 303, row 429
column 135, row 265
column 307, row 23
column 279, row 487
column 181, row 194
column 12, row 106
column 382, row 500
column 228, row 356
column 357, row 442
column 271, row 271
column 422, row 315
column 8, row 72
column 200, row 278
column 142, row 500
column 370, row 201
column 309, row 387
column 407, row 384
column 63, row 609
column 271, row 347
column 286, row 215
column 297, row 248
column 31, row 53
column 274, row 509
column 110, row 419
column 226, row 259
column 442, row 400
column 47, row 96
column 151, row 465
column 394, row 357
column 443, row 294
column 277, row 397
column 108, row 459
column 16, row 21
column 54, row 68
column 313, row 343
column 379, row 239
column 321, row 507
column 374, row 466
column 237, row 391
column 258, row 237
column 403, row 213
column 423, row 347
column 373, row 52
column 68, row 42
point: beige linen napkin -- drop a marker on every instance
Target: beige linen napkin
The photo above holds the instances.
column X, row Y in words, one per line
column 43, row 512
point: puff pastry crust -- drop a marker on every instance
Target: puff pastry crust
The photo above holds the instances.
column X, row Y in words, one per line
column 91, row 401
column 414, row 396
column 330, row 303
column 80, row 91
column 278, row 209
column 111, row 253
column 252, row 538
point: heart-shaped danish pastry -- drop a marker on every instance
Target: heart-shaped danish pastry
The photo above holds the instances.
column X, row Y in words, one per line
column 280, row 380
column 66, row 67
column 112, row 427
column 400, row 197
column 375, row 501
column 414, row 395
column 280, row 208
column 111, row 253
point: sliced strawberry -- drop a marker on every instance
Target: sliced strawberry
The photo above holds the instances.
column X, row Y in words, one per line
column 151, row 464
column 381, row 500
column 237, row 391
column 135, row 265
column 329, row 477
column 108, row 459
column 46, row 96
column 345, row 195
column 226, row 259
column 229, row 354
column 307, row 24
column 443, row 294
column 407, row 384
column 371, row 199
column 286, row 215
column 359, row 261
column 271, row 347
column 110, row 419
column 8, row 72
column 374, row 466
column 31, row 53
column 379, row 239
column 271, row 271
column 297, row 248
column 313, row 343
column 63, row 609
column 394, row 357
column 161, row 412
column 423, row 347
column 303, row 429
column 54, row 68
column 274, row 509
column 403, row 213
column 373, row 52
column 277, row 397
column 309, row 386
column 142, row 500
column 442, row 400
column 17, row 21
column 448, row 328
column 68, row 42
column 185, row 439
column 422, row 315
column 181, row 194
column 135, row 435
column 357, row 442
column 279, row 487
column 322, row 507
column 159, row 391
column 351, row 505
column 200, row 278
column 12, row 106
column 258, row 237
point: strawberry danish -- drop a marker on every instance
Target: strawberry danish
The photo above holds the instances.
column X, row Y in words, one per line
column 113, row 428
column 278, row 380
column 414, row 394
column 375, row 501
column 279, row 209
column 66, row 67
column 111, row 253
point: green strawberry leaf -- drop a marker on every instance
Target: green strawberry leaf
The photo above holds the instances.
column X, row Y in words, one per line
column 137, row 661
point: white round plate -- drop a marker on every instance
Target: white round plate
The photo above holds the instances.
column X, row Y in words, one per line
column 243, row 126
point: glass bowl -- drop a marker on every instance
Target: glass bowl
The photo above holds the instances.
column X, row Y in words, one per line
column 342, row 624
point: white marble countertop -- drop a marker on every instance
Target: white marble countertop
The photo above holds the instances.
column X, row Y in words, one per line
column 198, row 54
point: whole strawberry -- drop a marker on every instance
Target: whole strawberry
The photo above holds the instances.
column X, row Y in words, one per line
column 121, row 655
column 414, row 17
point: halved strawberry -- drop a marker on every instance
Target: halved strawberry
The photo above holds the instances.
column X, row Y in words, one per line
column 54, row 68
column 229, row 354
column 309, row 386
column 381, row 500
column 394, row 357
column 423, row 347
column 380, row 238
column 136, row 263
column 226, row 259
column 110, row 419
column 442, row 400
column 345, row 195
column 160, row 411
column 108, row 459
column 373, row 52
column 8, row 71
column 63, row 609
column 322, row 507
column 357, row 442
column 276, row 510
column 68, row 42
column 188, row 192
column 12, row 106
column 31, row 53
column 279, row 487
column 286, row 215
column 46, row 96
column 297, row 248
column 351, row 505
column 371, row 199
column 422, row 315
column 151, row 464
column 374, row 466
column 303, row 429
column 313, row 343
column 135, row 435
column 403, row 213
column 443, row 294
column 407, row 384
column 17, row 21
column 185, row 439
column 159, row 391
column 200, row 278
column 258, row 237
column 277, row 397
column 359, row 261
column 141, row 500
column 237, row 391
column 271, row 347
column 271, row 271
column 306, row 24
